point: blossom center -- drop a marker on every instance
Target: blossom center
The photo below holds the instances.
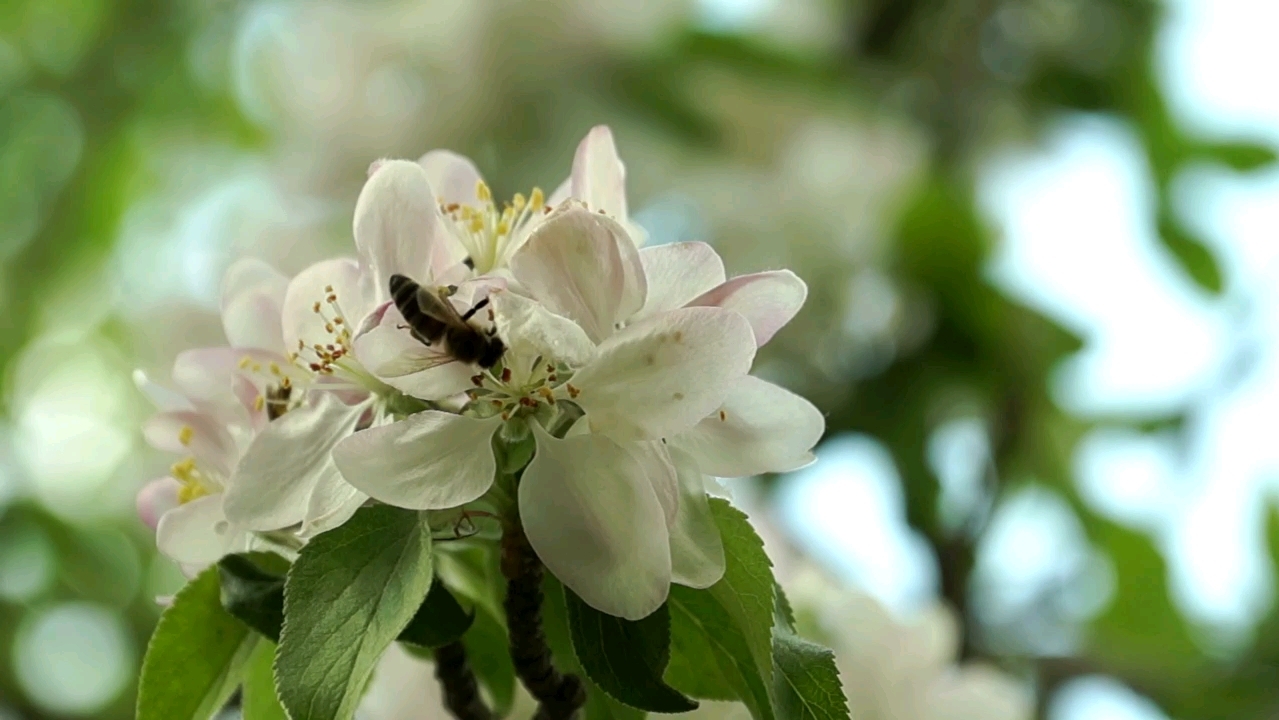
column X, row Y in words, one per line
column 193, row 483
column 540, row 391
column 490, row 235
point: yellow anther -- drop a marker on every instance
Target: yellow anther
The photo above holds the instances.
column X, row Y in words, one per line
column 482, row 191
column 183, row 470
column 187, row 493
column 503, row 228
column 328, row 289
column 245, row 362
column 519, row 201
column 275, row 369
column 476, row 224
column 259, row 402
column 285, row 382
column 316, row 307
column 186, row 434
column 573, row 392
column 536, row 199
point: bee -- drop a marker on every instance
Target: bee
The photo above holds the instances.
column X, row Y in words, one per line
column 432, row 319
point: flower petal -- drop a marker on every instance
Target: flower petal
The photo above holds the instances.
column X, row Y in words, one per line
column 162, row 397
column 193, row 433
column 591, row 515
column 204, row 376
column 332, row 502
column 599, row 177
column 529, row 330
column 768, row 300
column 429, row 461
column 403, row 362
column 662, row 375
column 677, row 273
column 338, row 278
column 656, row 462
column 398, row 228
column 157, row 498
column 760, row 428
column 453, row 177
column 697, row 551
column 252, row 298
column 583, row 266
column 284, row 464
column 197, row 533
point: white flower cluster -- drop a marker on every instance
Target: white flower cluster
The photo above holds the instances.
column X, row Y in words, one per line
column 618, row 383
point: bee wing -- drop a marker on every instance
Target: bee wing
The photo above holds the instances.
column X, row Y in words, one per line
column 411, row 359
column 437, row 307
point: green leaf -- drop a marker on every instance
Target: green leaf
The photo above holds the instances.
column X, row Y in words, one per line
column 253, row 590
column 1192, row 254
column 599, row 705
column 487, row 649
column 1241, row 156
column 805, row 680
column 260, row 701
column 722, row 636
column 626, row 658
column 439, row 621
column 196, row 655
column 350, row 593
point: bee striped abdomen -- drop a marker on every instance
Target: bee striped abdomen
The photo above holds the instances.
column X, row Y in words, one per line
column 404, row 293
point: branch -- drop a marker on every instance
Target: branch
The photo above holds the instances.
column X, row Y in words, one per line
column 560, row 695
column 461, row 694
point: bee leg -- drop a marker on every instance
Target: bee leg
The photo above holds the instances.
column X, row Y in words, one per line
column 476, row 308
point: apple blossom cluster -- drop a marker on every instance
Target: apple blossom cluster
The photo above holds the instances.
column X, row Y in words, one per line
column 622, row 389
column 626, row 368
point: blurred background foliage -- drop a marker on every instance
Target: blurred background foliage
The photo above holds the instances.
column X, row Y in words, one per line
column 145, row 144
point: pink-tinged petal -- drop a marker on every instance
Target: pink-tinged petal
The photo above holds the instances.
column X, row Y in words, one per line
column 195, row 434
column 761, row 428
column 662, row 375
column 453, row 177
column 403, row 362
column 157, row 498
column 768, row 300
column 252, row 298
column 284, row 464
column 561, row 193
column 398, row 228
column 203, row 375
column 162, row 397
column 599, row 177
column 582, row 265
column 197, row 533
column 591, row 514
column 697, row 551
column 429, row 461
column 677, row 273
column 339, row 278
column 530, row 330
column 248, row 392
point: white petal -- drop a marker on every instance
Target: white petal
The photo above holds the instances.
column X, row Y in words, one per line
column 599, row 177
column 252, row 298
column 697, row 551
column 403, row 362
column 529, row 330
column 162, row 397
column 332, row 502
column 204, row 376
column 662, row 375
column 583, row 266
column 429, row 461
column 284, row 464
column 763, row 428
column 561, row 193
column 591, row 515
column 679, row 272
column 768, row 300
column 656, row 462
column 398, row 228
column 157, row 498
column 311, row 286
column 453, row 177
column 195, row 434
column 197, row 532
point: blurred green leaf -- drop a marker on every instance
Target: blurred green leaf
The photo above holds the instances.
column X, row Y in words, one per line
column 1240, row 156
column 1191, row 254
column 253, row 590
column 259, row 700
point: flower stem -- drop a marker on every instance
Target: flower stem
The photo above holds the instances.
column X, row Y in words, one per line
column 461, row 694
column 559, row 695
